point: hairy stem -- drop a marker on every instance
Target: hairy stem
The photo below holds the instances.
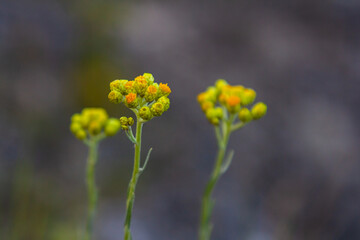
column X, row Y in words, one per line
column 91, row 187
column 207, row 202
column 132, row 185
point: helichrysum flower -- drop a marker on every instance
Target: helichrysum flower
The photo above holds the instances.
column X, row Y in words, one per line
column 142, row 94
column 233, row 99
column 92, row 122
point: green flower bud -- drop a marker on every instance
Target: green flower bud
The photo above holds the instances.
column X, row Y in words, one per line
column 75, row 126
column 145, row 113
column 81, row 134
column 165, row 101
column 258, row 110
column 245, row 115
column 149, row 77
column 124, row 123
column 248, row 96
column 112, row 126
column 130, row 121
column 157, row 109
column 115, row 96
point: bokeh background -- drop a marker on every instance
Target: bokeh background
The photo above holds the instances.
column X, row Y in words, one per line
column 295, row 174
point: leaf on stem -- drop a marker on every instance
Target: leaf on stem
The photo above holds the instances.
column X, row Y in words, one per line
column 146, row 161
column 227, row 162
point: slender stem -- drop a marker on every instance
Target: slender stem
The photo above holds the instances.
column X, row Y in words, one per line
column 91, row 187
column 132, row 185
column 207, row 202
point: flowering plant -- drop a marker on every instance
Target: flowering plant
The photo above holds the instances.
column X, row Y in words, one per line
column 225, row 107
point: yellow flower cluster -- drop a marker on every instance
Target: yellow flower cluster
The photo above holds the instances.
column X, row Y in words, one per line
column 233, row 99
column 142, row 94
column 92, row 122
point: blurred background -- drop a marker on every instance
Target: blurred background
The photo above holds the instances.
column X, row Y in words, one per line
column 295, row 173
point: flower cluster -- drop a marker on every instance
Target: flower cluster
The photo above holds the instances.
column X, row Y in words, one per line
column 142, row 94
column 93, row 122
column 232, row 99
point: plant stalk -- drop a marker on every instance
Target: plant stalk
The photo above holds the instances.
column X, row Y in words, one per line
column 91, row 187
column 132, row 185
column 207, row 202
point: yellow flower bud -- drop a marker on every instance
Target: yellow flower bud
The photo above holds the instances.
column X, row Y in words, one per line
column 165, row 101
column 151, row 93
column 258, row 110
column 115, row 96
column 149, row 78
column 81, row 134
column 115, row 85
column 206, row 105
column 145, row 113
column 141, row 85
column 164, row 90
column 245, row 115
column 112, row 126
column 94, row 128
column 248, row 97
column 75, row 126
column 122, row 88
column 220, row 83
column 157, row 109
column 131, row 100
column 76, row 118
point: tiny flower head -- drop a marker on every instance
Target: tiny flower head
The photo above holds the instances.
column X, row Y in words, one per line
column 164, row 89
column 165, row 101
column 207, row 105
column 151, row 93
column 75, row 126
column 94, row 128
column 149, row 78
column 115, row 85
column 140, row 85
column 130, row 121
column 131, row 100
column 115, row 96
column 233, row 103
column 81, row 134
column 220, row 83
column 145, row 113
column 245, row 115
column 248, row 96
column 112, row 126
column 76, row 118
column 129, row 87
column 258, row 110
column 157, row 109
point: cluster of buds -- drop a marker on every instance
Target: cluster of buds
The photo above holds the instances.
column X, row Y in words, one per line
column 92, row 122
column 233, row 99
column 142, row 94
column 125, row 122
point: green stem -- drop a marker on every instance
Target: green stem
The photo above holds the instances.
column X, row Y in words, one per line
column 91, row 187
column 132, row 185
column 207, row 202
